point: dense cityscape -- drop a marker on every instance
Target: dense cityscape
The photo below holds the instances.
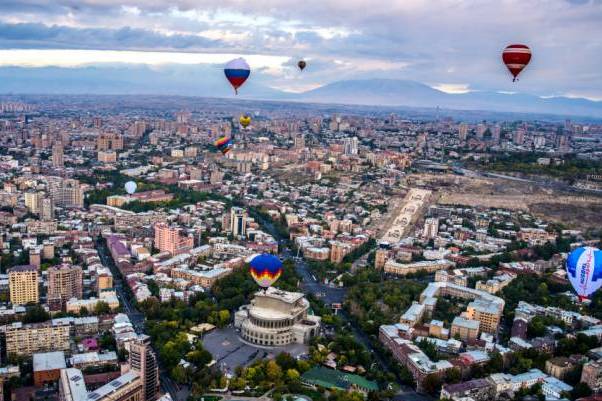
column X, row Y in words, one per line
column 423, row 253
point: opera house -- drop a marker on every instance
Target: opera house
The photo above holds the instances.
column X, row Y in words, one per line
column 277, row 318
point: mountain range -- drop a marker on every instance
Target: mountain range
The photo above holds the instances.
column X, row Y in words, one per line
column 208, row 81
column 387, row 92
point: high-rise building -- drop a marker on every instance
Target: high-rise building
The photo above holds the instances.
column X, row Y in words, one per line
column 45, row 209
column 562, row 143
column 72, row 387
column 140, row 383
column 23, row 285
column 351, row 146
column 380, row 258
column 138, row 129
column 65, row 281
column 144, row 361
column 183, row 117
column 338, row 251
column 27, row 339
column 481, row 129
column 39, row 204
column 463, row 132
column 486, row 313
column 66, row 192
column 592, row 375
column 431, row 228
column 238, row 222
column 35, row 257
column 496, row 133
column 109, row 141
column 519, row 136
column 169, row 239
column 299, row 141
column 32, row 201
column 57, row 156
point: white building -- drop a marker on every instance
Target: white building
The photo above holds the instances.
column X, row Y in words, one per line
column 277, row 318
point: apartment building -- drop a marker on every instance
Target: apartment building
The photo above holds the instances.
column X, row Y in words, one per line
column 23, row 285
column 27, row 339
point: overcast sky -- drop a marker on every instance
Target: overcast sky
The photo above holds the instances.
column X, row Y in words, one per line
column 454, row 45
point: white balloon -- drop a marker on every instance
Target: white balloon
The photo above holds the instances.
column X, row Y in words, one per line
column 130, row 187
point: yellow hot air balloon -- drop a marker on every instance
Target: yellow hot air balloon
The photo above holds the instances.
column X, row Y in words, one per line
column 245, row 120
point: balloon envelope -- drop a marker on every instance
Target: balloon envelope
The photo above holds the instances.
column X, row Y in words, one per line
column 237, row 71
column 516, row 57
column 301, row 64
column 224, row 144
column 584, row 270
column 265, row 269
column 245, row 120
column 130, row 187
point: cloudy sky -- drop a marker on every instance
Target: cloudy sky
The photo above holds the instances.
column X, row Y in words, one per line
column 453, row 45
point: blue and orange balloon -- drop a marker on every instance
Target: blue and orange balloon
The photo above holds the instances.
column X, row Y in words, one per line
column 224, row 144
column 237, row 71
column 265, row 269
column 584, row 270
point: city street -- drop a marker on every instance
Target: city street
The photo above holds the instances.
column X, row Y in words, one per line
column 177, row 393
column 331, row 295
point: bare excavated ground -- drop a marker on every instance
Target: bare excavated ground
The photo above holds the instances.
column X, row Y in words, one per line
column 574, row 210
column 581, row 215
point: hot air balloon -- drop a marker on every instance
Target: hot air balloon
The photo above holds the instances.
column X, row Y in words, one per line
column 224, row 144
column 245, row 120
column 265, row 269
column 516, row 57
column 301, row 64
column 237, row 71
column 584, row 269
column 130, row 187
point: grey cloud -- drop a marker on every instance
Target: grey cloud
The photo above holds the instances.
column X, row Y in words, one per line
column 446, row 41
column 35, row 35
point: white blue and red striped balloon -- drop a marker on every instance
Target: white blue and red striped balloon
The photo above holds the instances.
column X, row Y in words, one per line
column 237, row 71
column 584, row 270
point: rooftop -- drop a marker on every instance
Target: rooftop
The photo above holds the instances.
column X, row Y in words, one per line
column 468, row 323
column 112, row 386
column 286, row 296
column 330, row 378
column 77, row 386
column 49, row 361
column 23, row 268
column 467, row 385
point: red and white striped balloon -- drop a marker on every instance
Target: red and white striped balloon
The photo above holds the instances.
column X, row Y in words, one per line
column 516, row 57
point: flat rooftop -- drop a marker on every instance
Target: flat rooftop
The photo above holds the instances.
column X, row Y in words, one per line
column 49, row 361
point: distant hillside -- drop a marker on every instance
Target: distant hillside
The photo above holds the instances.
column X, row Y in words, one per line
column 388, row 92
column 209, row 81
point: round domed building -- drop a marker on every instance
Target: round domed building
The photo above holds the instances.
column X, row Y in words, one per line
column 277, row 318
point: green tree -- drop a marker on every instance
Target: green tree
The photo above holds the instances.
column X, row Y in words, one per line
column 293, row 375
column 580, row 390
column 35, row 314
column 179, row 374
column 431, row 384
column 453, row 376
column 102, row 308
column 273, row 371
